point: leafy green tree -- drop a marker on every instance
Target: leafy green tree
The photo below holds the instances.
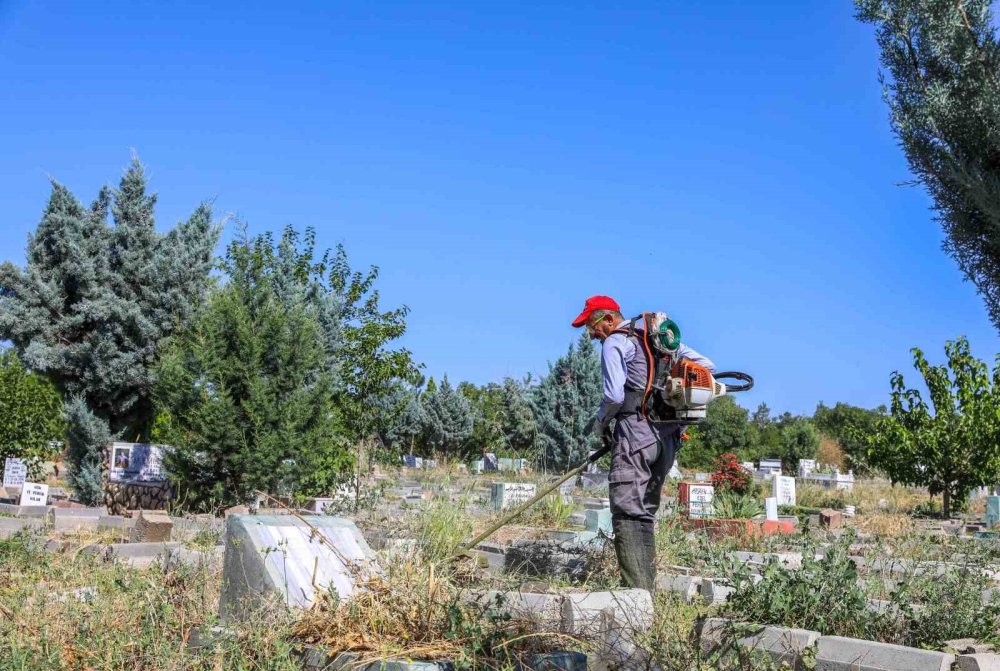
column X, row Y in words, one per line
column 356, row 332
column 799, row 440
column 565, row 404
column 951, row 445
column 93, row 304
column 942, row 57
column 848, row 425
column 761, row 417
column 447, row 418
column 247, row 391
column 31, row 414
column 726, row 429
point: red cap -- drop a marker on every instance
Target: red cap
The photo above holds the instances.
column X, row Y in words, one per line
column 593, row 304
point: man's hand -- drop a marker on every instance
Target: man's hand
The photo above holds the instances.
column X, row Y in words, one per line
column 602, row 431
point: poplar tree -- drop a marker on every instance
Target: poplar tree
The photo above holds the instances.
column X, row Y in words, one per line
column 943, row 89
column 94, row 302
column 565, row 405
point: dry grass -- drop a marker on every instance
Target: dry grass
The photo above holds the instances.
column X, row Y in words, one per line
column 885, row 525
column 830, row 452
column 416, row 611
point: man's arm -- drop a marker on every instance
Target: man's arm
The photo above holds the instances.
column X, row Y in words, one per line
column 613, row 360
column 685, row 352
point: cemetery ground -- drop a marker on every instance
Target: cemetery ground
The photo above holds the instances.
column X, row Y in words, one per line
column 886, row 589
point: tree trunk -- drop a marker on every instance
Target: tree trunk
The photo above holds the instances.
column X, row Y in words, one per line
column 946, row 504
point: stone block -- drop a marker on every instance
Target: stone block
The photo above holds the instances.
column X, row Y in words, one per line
column 789, row 560
column 599, row 520
column 284, row 557
column 835, row 653
column 152, row 526
column 983, row 661
column 687, row 586
column 26, row 511
column 830, row 519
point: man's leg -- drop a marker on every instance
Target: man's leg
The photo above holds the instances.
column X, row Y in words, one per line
column 628, row 484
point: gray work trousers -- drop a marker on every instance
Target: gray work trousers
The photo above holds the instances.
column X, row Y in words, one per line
column 637, row 475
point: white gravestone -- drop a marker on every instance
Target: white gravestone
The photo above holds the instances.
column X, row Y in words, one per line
column 771, row 507
column 14, row 473
column 511, row 494
column 747, row 466
column 806, row 466
column 34, row 494
column 784, row 490
column 700, row 500
column 137, row 462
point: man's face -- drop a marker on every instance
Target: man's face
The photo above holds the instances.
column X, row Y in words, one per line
column 600, row 328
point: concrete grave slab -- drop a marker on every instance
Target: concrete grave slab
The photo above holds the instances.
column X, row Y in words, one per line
column 281, row 554
column 835, row 653
column 687, row 586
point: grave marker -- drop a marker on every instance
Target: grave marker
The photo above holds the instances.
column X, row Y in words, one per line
column 510, row 494
column 489, row 462
column 34, row 494
column 771, row 507
column 806, row 466
column 410, row 460
column 747, row 466
column 992, row 511
column 696, row 499
column 14, row 473
column 784, row 489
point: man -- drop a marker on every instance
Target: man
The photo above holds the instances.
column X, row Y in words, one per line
column 642, row 451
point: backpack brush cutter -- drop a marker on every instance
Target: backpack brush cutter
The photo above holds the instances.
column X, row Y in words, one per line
column 678, row 392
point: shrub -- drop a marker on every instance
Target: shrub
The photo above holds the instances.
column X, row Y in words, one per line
column 729, row 475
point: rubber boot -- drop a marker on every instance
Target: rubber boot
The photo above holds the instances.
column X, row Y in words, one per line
column 635, row 547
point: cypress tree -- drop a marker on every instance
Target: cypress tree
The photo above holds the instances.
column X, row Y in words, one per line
column 247, row 391
column 565, row 404
column 517, row 419
column 93, row 304
column 447, row 418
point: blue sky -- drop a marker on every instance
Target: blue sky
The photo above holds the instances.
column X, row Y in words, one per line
column 730, row 163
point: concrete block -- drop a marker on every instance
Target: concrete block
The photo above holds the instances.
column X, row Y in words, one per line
column 715, row 591
column 714, row 631
column 139, row 555
column 10, row 526
column 283, row 556
column 687, row 586
column 78, row 512
column 983, row 661
column 782, row 644
column 26, row 511
column 835, row 653
column 73, row 523
column 115, row 522
column 152, row 526
column 545, row 609
column 611, row 620
column 789, row 560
